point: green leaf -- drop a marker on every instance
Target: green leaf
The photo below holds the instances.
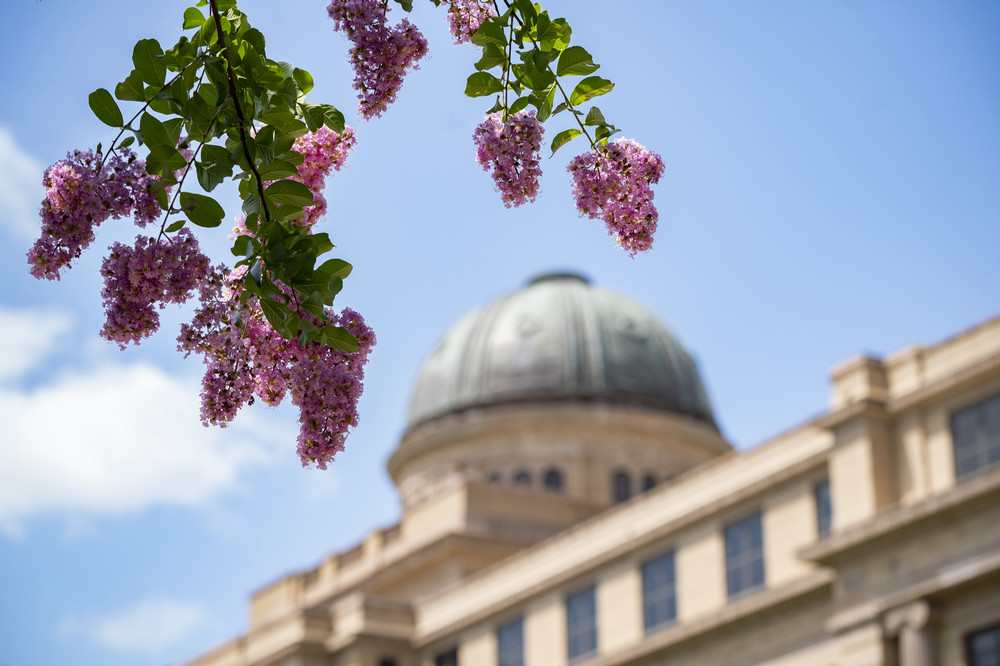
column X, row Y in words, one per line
column 557, row 36
column 489, row 32
column 339, row 338
column 407, row 5
column 304, row 80
column 105, row 108
column 164, row 159
column 211, row 175
column 281, row 318
column 289, row 192
column 278, row 169
column 575, row 61
column 126, row 142
column 493, row 56
column 153, row 132
column 563, row 138
column 519, row 103
column 333, row 118
column 481, row 84
column 175, row 226
column 335, row 268
column 145, row 57
column 201, row 210
column 537, row 79
column 193, row 18
column 131, row 89
column 592, row 86
column 595, row 117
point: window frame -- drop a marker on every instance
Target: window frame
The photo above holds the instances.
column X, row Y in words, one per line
column 574, row 633
column 648, row 604
column 516, row 625
column 981, row 448
column 750, row 564
column 621, row 486
column 452, row 653
column 970, row 637
column 557, row 474
column 823, row 526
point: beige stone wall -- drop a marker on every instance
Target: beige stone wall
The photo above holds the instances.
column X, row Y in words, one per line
column 904, row 531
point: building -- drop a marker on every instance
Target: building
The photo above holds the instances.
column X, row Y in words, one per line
column 568, row 499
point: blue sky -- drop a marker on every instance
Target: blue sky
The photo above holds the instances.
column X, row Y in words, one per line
column 832, row 187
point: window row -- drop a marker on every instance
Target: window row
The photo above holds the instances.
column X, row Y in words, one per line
column 744, row 559
column 552, row 479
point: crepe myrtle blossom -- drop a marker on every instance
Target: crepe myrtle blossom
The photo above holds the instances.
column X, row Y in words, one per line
column 81, row 192
column 322, row 151
column 613, row 183
column 511, row 149
column 465, row 17
column 251, row 360
column 381, row 54
column 149, row 273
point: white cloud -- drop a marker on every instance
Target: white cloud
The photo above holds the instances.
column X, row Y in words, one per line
column 118, row 439
column 21, row 191
column 149, row 627
column 28, row 336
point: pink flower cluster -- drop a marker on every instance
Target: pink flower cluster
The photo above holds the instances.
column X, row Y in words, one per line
column 613, row 183
column 254, row 360
column 81, row 193
column 137, row 278
column 323, row 150
column 465, row 17
column 381, row 54
column 511, row 149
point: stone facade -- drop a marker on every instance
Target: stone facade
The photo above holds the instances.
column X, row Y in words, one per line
column 853, row 540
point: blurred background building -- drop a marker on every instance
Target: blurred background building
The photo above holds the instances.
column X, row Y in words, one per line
column 567, row 498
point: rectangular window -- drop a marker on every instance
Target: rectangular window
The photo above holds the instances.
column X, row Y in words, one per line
column 975, row 434
column 824, row 511
column 510, row 644
column 449, row 658
column 744, row 555
column 983, row 647
column 659, row 594
column 581, row 624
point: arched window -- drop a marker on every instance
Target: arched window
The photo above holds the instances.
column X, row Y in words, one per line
column 553, row 480
column 621, row 487
column 522, row 478
column 493, row 477
column 648, row 482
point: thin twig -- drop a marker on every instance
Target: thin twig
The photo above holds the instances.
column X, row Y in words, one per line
column 548, row 66
column 239, row 109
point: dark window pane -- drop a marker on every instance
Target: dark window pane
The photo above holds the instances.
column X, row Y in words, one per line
column 522, row 478
column 975, row 433
column 984, row 647
column 621, row 487
column 744, row 555
column 553, row 480
column 824, row 510
column 581, row 624
column 494, row 477
column 449, row 658
column 648, row 482
column 510, row 644
column 659, row 597
column 386, row 661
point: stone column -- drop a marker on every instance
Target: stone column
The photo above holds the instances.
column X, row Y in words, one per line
column 912, row 624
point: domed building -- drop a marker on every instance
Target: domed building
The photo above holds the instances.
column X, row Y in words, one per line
column 568, row 499
column 558, row 386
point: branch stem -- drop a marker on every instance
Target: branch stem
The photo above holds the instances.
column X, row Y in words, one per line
column 239, row 109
